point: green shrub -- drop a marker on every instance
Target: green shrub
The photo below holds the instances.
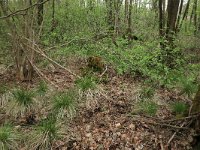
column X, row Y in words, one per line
column 86, row 83
column 42, row 88
column 147, row 92
column 188, row 86
column 44, row 134
column 179, row 108
column 23, row 97
column 65, row 103
column 8, row 138
column 147, row 106
column 22, row 102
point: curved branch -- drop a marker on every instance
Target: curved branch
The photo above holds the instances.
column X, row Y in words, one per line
column 18, row 12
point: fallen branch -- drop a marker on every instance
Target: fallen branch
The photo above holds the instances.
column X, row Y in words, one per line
column 39, row 51
column 160, row 124
column 172, row 137
column 42, row 75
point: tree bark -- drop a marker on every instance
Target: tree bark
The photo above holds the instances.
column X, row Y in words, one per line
column 172, row 11
column 184, row 16
column 195, row 18
column 161, row 19
column 24, row 70
column 196, row 102
column 40, row 12
column 126, row 12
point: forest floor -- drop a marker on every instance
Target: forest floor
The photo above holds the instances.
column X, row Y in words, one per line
column 108, row 120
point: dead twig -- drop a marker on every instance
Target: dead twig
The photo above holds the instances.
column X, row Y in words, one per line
column 172, row 137
column 39, row 51
column 138, row 118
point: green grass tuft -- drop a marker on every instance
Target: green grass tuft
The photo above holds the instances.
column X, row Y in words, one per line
column 147, row 106
column 179, row 108
column 65, row 102
column 8, row 138
column 23, row 97
column 86, row 83
column 42, row 88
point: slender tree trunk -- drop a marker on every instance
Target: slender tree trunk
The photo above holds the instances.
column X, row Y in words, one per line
column 126, row 12
column 110, row 18
column 184, row 16
column 195, row 17
column 117, row 6
column 196, row 102
column 168, row 21
column 179, row 15
column 161, row 19
column 40, row 12
column 53, row 22
column 129, row 30
column 172, row 11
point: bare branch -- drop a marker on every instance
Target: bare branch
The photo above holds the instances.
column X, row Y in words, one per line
column 18, row 12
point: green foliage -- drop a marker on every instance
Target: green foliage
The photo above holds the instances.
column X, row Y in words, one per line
column 147, row 92
column 44, row 134
column 8, row 138
column 23, row 97
column 48, row 126
column 85, row 83
column 188, row 86
column 65, row 103
column 3, row 89
column 147, row 106
column 42, row 88
column 179, row 108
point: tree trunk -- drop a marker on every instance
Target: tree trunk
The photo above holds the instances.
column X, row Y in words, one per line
column 195, row 17
column 126, row 12
column 184, row 16
column 129, row 30
column 196, row 102
column 24, row 69
column 40, row 12
column 110, row 18
column 161, row 19
column 117, row 6
column 179, row 15
column 172, row 11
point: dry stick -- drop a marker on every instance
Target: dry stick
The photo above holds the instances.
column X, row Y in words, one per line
column 36, row 68
column 104, row 71
column 22, row 10
column 179, row 119
column 172, row 137
column 161, row 124
column 39, row 51
column 42, row 75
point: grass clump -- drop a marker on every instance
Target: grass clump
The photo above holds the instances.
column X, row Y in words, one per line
column 147, row 93
column 42, row 88
column 44, row 134
column 179, row 108
column 22, row 102
column 23, row 97
column 148, row 107
column 86, row 83
column 65, row 103
column 8, row 138
column 188, row 87
column 3, row 89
